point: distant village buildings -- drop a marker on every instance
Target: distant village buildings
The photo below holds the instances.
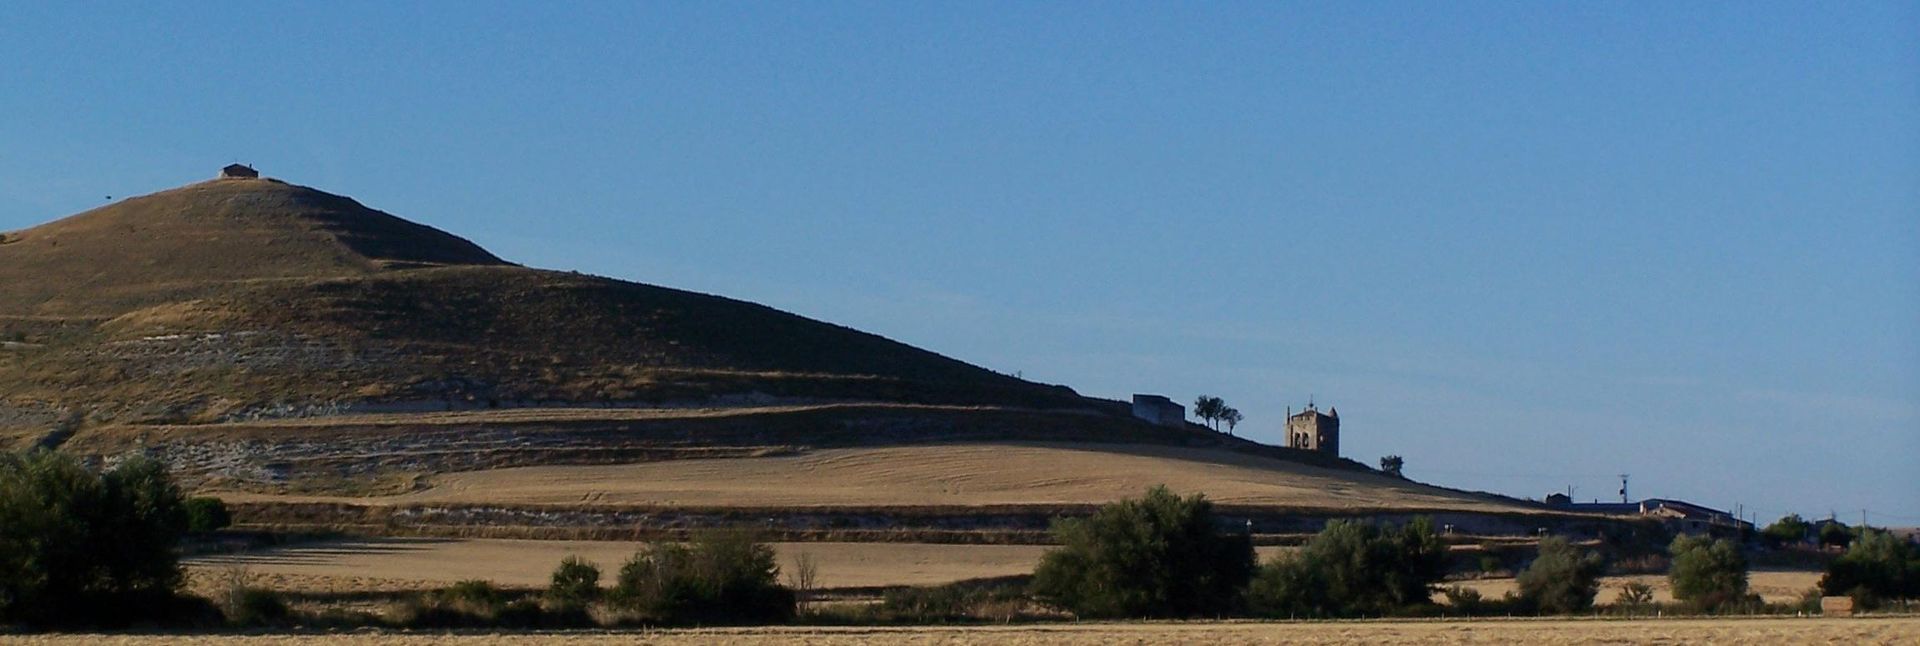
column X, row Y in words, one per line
column 239, row 171
column 1156, row 409
column 1312, row 430
column 1685, row 517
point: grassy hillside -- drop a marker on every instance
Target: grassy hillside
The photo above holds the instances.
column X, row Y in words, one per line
column 198, row 239
column 234, row 299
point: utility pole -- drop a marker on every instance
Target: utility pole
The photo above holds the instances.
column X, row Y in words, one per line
column 1623, row 487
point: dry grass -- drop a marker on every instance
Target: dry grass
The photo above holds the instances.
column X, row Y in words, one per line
column 369, row 565
column 935, row 475
column 1775, row 586
column 1557, row 631
column 364, row 306
column 395, row 564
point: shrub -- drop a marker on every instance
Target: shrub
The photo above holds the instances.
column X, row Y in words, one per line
column 1157, row 556
column 952, row 602
column 1467, row 601
column 1490, row 564
column 575, row 582
column 1634, row 595
column 473, row 592
column 246, row 605
column 719, row 577
column 1353, row 569
column 1708, row 574
column 254, row 606
column 1563, row 579
column 207, row 514
column 1877, row 566
column 79, row 548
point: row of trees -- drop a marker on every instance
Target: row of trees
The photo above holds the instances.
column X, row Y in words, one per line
column 80, row 547
column 1164, row 556
column 1215, row 411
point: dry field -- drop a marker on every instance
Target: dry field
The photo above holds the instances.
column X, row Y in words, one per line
column 1776, row 586
column 402, row 564
column 933, row 475
column 1558, row 631
column 393, row 564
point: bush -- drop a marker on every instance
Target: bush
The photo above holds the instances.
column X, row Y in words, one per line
column 79, row 548
column 1351, row 569
column 254, row 607
column 1158, row 556
column 1466, row 601
column 1563, row 579
column 952, row 602
column 207, row 514
column 1708, row 574
column 1490, row 564
column 720, row 577
column 472, row 592
column 1877, row 566
column 575, row 582
column 1634, row 596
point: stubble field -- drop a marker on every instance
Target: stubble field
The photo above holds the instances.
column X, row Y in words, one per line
column 968, row 474
column 1556, row 631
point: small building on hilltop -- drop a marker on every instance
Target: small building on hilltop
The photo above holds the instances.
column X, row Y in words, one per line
column 1312, row 430
column 1159, row 410
column 239, row 171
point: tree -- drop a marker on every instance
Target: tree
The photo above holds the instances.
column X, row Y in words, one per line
column 1835, row 534
column 1208, row 409
column 1790, row 529
column 1232, row 417
column 1877, row 565
column 1157, row 556
column 1709, row 574
column 80, row 548
column 1353, row 569
column 207, row 514
column 575, row 582
column 1563, row 579
column 1391, row 465
column 719, row 577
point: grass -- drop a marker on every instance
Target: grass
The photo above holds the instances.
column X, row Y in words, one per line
column 352, row 305
column 934, row 475
column 1739, row 631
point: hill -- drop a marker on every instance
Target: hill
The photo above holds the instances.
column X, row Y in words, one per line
column 247, row 298
column 329, row 363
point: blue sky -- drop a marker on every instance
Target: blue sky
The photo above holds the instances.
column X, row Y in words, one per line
column 1524, row 245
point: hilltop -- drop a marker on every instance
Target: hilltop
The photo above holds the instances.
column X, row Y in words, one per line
column 248, row 298
column 333, row 365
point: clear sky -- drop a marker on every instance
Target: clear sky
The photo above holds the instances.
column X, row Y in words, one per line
column 1525, row 245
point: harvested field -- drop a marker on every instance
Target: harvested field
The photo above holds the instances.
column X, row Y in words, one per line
column 1775, row 586
column 1555, row 631
column 972, row 474
column 393, row 564
column 370, row 565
